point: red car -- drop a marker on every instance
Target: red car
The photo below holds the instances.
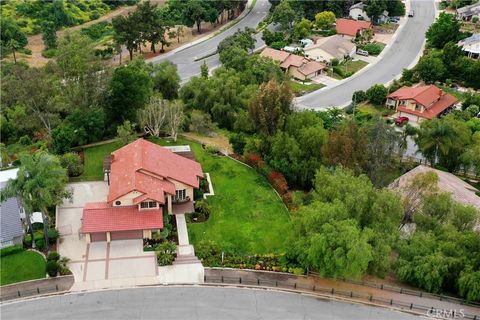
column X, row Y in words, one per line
column 401, row 121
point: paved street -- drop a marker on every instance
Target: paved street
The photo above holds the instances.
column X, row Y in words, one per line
column 400, row 55
column 185, row 59
column 193, row 303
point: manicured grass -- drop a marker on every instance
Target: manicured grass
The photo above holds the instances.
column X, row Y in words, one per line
column 370, row 109
column 301, row 88
column 93, row 166
column 22, row 266
column 247, row 215
column 353, row 65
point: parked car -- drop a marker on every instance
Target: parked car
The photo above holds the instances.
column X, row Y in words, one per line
column 411, row 13
column 394, row 20
column 401, row 121
column 362, row 52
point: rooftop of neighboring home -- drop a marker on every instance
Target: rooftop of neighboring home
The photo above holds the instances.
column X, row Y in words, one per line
column 470, row 9
column 358, row 5
column 461, row 191
column 335, row 45
column 472, row 42
column 350, row 27
column 274, row 54
column 311, row 67
column 432, row 98
column 10, row 223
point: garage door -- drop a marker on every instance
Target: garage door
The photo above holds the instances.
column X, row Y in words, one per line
column 124, row 235
column 100, row 236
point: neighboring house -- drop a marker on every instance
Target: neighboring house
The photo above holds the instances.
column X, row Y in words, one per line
column 461, row 191
column 349, row 27
column 357, row 12
column 295, row 65
column 420, row 103
column 468, row 12
column 11, row 226
column 144, row 180
column 333, row 47
column 471, row 46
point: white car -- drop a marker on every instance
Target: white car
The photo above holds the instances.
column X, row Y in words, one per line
column 362, row 52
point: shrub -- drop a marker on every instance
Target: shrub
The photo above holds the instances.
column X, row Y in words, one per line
column 238, row 142
column 212, row 149
column 63, row 266
column 203, row 207
column 49, row 53
column 53, row 256
column 359, row 96
column 52, row 268
column 52, row 235
column 71, row 161
column 37, row 226
column 373, row 49
column 377, row 93
column 209, row 252
column 40, row 244
column 166, row 253
column 334, row 62
column 278, row 45
column 278, row 182
column 25, row 140
column 10, row 250
column 475, row 19
column 255, row 160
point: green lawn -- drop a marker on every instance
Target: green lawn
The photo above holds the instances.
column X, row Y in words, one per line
column 22, row 266
column 302, row 88
column 353, row 66
column 247, row 215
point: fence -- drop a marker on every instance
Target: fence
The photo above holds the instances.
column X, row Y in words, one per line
column 244, row 281
column 36, row 287
column 420, row 294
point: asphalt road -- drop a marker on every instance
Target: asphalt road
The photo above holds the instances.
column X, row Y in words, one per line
column 400, row 55
column 192, row 303
column 185, row 59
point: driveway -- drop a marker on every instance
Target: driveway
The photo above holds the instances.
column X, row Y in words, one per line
column 399, row 55
column 97, row 263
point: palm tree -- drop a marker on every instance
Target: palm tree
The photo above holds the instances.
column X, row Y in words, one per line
column 435, row 139
column 41, row 183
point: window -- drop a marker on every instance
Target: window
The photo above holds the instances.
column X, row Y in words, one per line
column 148, row 205
column 117, row 203
column 180, row 194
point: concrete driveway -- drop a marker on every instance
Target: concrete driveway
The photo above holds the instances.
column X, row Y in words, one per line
column 97, row 262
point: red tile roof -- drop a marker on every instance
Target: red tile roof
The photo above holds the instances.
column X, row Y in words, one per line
column 274, row 54
column 432, row 98
column 143, row 165
column 101, row 217
column 311, row 67
column 351, row 27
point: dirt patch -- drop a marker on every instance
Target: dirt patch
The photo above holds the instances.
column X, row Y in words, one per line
column 219, row 141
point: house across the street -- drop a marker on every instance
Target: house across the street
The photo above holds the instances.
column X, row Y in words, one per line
column 349, row 27
column 11, row 214
column 328, row 48
column 468, row 12
column 297, row 66
column 420, row 103
column 471, row 46
column 357, row 12
column 145, row 180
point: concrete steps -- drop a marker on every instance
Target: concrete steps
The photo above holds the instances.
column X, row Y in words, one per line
column 186, row 259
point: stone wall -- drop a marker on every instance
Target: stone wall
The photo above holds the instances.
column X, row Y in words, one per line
column 36, row 287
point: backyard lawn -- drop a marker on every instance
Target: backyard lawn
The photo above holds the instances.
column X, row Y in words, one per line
column 22, row 266
column 247, row 215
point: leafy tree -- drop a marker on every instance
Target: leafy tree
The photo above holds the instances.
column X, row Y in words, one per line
column 395, row 8
column 153, row 117
column 127, row 32
column 238, row 142
column 469, row 285
column 325, row 20
column 272, row 37
column 130, row 89
column 445, row 29
column 166, row 79
column 40, row 184
column 284, row 15
column 49, row 35
column 204, row 70
column 126, row 132
column 201, row 123
column 376, row 94
column 234, row 57
column 89, row 124
column 374, row 8
column 242, row 39
column 302, row 29
column 431, row 69
column 194, row 13
column 11, row 37
column 153, row 24
column 270, row 107
column 63, row 138
column 71, row 161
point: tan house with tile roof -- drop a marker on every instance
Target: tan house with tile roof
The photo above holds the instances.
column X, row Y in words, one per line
column 296, row 66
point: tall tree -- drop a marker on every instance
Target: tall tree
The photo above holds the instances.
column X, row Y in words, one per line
column 9, row 30
column 152, row 117
column 40, row 183
column 324, row 20
column 174, row 117
column 271, row 106
column 284, row 15
column 49, row 35
column 445, row 29
column 127, row 32
column 166, row 79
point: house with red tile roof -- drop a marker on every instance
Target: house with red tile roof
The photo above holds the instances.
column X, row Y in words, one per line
column 145, row 180
column 349, row 27
column 420, row 103
column 297, row 66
